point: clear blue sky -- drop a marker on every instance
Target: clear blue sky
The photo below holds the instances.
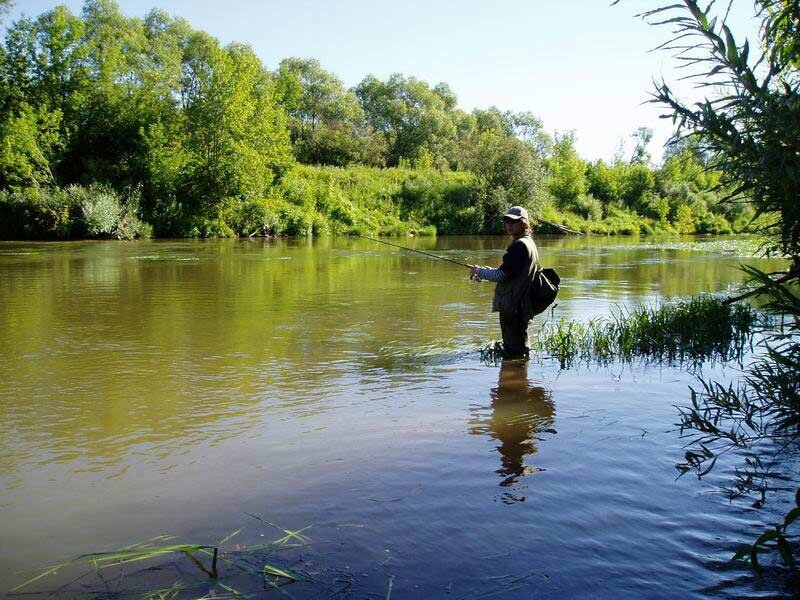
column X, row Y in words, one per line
column 578, row 64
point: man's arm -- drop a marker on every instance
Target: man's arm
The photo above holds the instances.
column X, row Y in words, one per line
column 513, row 262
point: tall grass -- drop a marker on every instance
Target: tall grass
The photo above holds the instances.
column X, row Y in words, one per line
column 696, row 329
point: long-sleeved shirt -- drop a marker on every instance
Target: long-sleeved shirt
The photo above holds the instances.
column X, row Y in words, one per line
column 514, row 260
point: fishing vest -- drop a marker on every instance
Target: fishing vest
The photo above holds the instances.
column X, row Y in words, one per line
column 510, row 295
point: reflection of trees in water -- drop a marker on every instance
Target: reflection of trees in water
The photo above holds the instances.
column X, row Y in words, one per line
column 519, row 410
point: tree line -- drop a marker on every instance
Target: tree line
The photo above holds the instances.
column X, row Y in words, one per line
column 116, row 126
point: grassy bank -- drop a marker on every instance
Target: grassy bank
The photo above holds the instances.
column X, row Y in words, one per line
column 331, row 200
column 313, row 201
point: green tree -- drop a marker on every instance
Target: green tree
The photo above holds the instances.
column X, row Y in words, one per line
column 30, row 139
column 641, row 137
column 234, row 133
column 636, row 187
column 107, row 146
column 567, row 171
column 751, row 131
column 5, row 6
column 45, row 82
column 325, row 119
column 605, row 181
column 409, row 114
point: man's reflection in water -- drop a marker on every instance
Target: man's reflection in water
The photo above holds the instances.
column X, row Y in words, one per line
column 520, row 410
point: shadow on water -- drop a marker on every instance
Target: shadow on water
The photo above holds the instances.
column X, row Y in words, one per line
column 520, row 411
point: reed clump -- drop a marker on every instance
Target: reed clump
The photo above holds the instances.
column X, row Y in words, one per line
column 699, row 328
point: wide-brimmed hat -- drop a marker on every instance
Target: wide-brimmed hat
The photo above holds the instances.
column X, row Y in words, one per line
column 516, row 213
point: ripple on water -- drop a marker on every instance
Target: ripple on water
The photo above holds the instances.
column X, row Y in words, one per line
column 141, row 398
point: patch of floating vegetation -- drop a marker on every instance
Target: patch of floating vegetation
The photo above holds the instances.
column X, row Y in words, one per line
column 157, row 258
column 740, row 247
column 439, row 353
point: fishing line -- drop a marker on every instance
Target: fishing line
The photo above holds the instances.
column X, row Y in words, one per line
column 412, row 250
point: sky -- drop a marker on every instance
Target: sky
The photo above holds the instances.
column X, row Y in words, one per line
column 580, row 65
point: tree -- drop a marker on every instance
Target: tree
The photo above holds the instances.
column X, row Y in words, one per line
column 5, row 6
column 637, row 184
column 567, row 171
column 235, row 134
column 45, row 82
column 750, row 131
column 30, row 140
column 408, row 113
column 641, row 137
column 605, row 181
column 325, row 119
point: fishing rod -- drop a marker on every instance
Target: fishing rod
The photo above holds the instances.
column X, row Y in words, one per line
column 412, row 250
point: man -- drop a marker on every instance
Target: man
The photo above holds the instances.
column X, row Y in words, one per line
column 512, row 277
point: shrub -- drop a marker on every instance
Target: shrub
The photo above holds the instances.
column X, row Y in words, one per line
column 684, row 219
column 589, row 207
column 100, row 209
column 75, row 212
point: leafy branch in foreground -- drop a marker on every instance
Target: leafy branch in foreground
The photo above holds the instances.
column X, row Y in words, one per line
column 759, row 417
column 749, row 126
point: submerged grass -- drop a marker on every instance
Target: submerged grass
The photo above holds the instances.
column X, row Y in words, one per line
column 216, row 567
column 697, row 329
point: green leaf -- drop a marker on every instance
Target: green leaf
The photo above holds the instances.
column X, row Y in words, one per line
column 791, row 517
column 733, row 53
column 742, row 552
column 786, row 552
column 765, row 537
column 273, row 570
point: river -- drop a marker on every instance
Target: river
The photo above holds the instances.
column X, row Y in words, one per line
column 334, row 386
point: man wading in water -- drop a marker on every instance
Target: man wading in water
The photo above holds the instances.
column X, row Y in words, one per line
column 510, row 294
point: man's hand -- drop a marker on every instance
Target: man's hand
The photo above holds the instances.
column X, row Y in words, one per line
column 473, row 272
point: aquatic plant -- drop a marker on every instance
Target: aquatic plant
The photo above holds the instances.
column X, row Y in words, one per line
column 695, row 329
column 220, row 564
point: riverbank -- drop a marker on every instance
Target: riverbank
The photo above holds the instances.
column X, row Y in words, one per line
column 318, row 201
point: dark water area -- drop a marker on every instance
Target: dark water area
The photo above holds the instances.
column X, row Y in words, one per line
column 195, row 388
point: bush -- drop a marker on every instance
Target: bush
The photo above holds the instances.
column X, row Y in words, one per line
column 38, row 213
column 589, row 207
column 75, row 212
column 100, row 210
column 684, row 219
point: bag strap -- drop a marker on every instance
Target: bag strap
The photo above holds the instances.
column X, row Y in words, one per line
column 533, row 267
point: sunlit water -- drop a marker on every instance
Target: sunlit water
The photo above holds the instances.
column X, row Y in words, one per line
column 193, row 388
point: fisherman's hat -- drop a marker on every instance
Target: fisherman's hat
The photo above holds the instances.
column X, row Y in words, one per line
column 516, row 213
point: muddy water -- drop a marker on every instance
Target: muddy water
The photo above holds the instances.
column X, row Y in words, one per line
column 198, row 388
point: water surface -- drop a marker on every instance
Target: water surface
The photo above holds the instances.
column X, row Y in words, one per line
column 190, row 388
